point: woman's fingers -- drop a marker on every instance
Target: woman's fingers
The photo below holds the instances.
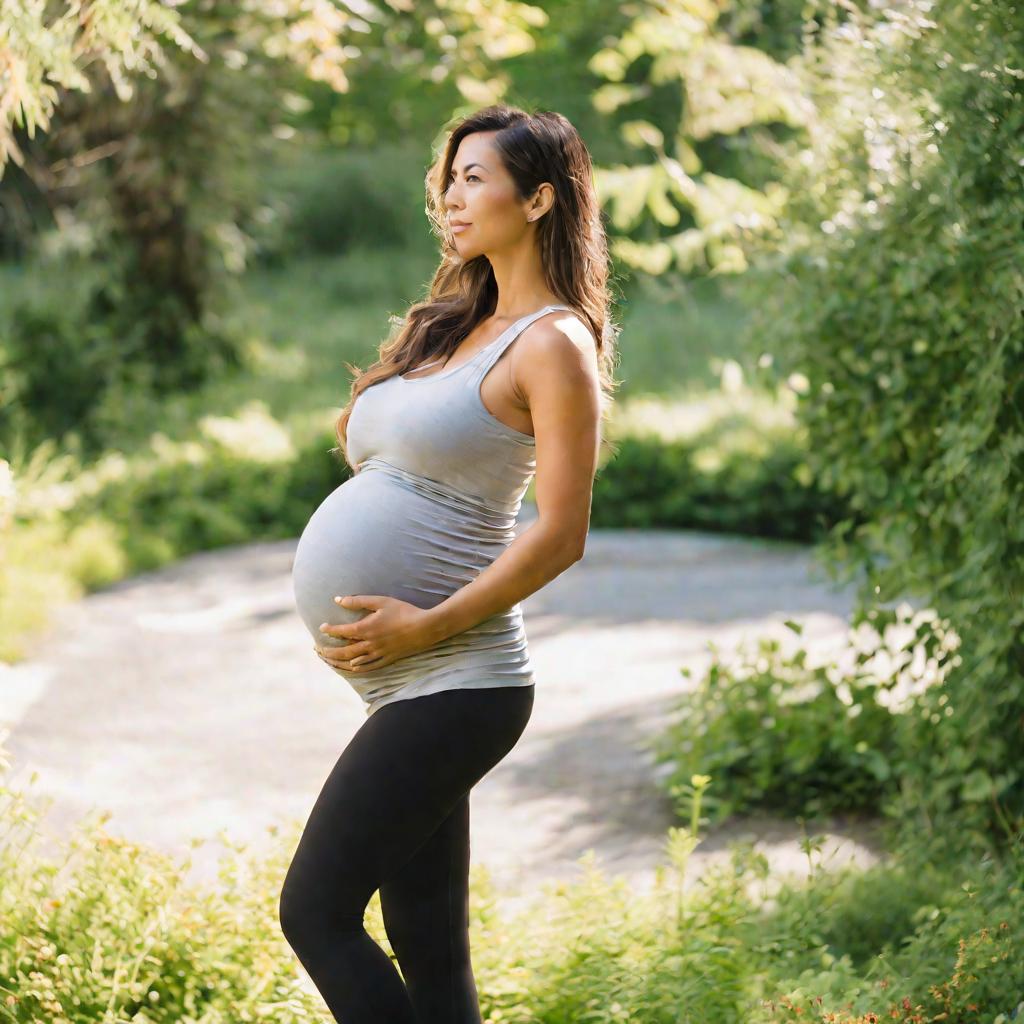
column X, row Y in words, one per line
column 350, row 662
column 342, row 652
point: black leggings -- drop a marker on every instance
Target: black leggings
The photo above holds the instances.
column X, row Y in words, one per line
column 394, row 815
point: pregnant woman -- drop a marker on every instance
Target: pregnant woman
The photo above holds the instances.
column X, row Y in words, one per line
column 409, row 575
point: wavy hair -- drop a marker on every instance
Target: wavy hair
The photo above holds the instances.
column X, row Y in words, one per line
column 536, row 148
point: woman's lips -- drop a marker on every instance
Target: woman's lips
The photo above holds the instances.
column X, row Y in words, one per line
column 456, row 228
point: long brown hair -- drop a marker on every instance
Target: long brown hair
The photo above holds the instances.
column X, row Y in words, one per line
column 535, row 148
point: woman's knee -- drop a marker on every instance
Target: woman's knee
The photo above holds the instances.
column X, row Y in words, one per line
column 295, row 912
column 308, row 915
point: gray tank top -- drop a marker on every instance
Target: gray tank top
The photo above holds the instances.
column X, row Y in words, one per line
column 439, row 485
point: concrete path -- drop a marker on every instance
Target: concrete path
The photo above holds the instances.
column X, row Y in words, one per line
column 189, row 700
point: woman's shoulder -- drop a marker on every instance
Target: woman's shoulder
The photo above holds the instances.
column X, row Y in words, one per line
column 557, row 345
column 560, row 326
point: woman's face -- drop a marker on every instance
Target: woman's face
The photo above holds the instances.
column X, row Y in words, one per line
column 482, row 194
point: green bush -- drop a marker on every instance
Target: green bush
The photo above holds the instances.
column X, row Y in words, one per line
column 197, row 496
column 70, row 370
column 106, row 930
column 734, row 471
column 66, row 528
column 776, row 732
column 963, row 959
column 899, row 300
column 57, row 372
column 653, row 483
column 862, row 914
column 326, row 201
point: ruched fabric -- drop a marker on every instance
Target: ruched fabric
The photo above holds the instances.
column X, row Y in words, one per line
column 435, row 501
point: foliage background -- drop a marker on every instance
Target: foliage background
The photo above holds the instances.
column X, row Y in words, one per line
column 815, row 209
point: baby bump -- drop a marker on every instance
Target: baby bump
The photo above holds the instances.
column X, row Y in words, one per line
column 372, row 535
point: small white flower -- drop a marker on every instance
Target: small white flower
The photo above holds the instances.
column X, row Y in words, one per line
column 917, row 662
column 899, row 635
column 924, row 615
column 732, row 377
column 798, row 383
column 883, row 665
column 951, row 641
column 865, row 638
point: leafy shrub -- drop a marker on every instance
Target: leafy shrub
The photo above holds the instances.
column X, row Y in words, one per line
column 327, row 201
column 898, row 298
column 963, row 961
column 738, row 471
column 110, row 930
column 67, row 369
column 57, row 371
column 861, row 914
column 66, row 528
column 776, row 732
column 244, row 480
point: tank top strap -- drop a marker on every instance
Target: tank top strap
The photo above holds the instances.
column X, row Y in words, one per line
column 493, row 353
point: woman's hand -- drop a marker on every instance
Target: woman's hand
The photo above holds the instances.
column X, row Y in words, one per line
column 393, row 630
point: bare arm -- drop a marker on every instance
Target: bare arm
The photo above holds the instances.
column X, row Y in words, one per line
column 554, row 369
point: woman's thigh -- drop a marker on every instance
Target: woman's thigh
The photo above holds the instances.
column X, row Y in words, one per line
column 404, row 771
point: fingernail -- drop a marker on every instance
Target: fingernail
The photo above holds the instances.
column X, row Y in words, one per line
column 323, row 625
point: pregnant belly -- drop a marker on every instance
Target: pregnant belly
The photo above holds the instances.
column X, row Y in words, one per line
column 375, row 534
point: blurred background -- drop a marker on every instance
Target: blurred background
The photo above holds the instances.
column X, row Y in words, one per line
column 815, row 212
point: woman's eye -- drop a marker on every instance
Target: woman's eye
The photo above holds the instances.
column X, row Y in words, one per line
column 451, row 180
